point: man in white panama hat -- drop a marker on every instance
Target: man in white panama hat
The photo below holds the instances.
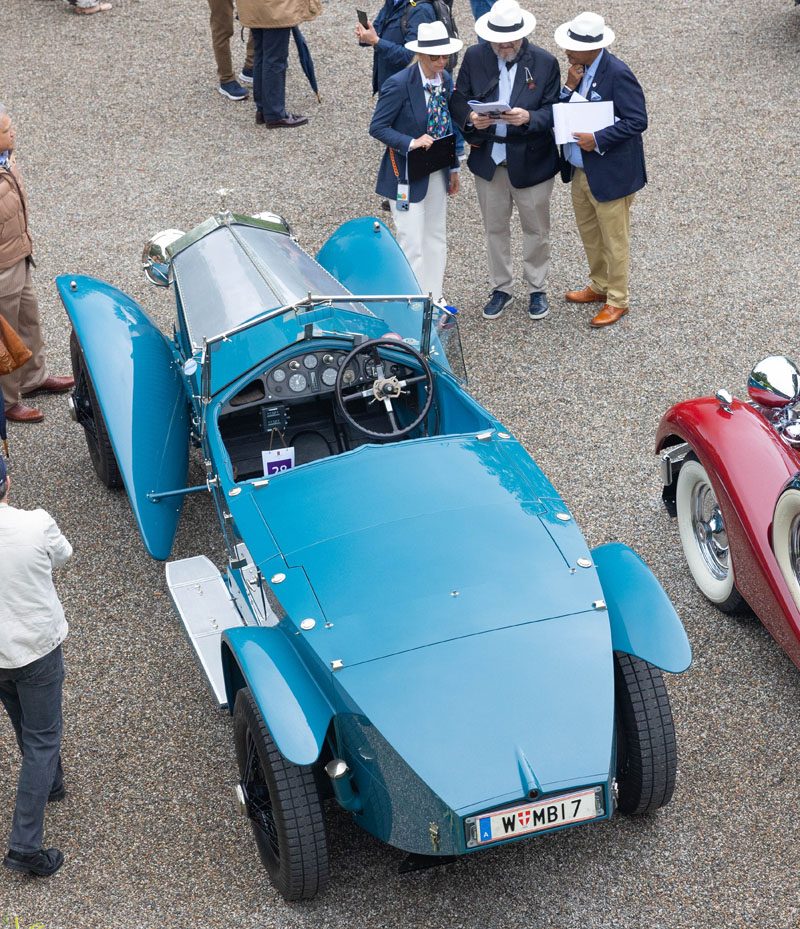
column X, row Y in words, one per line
column 512, row 155
column 606, row 167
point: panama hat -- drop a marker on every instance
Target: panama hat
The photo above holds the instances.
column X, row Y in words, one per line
column 432, row 39
column 505, row 22
column 585, row 33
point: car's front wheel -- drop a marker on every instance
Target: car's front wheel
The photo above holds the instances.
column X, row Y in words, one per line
column 88, row 414
column 647, row 755
column 704, row 537
column 283, row 806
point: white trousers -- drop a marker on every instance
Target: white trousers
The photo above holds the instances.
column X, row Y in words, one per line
column 422, row 234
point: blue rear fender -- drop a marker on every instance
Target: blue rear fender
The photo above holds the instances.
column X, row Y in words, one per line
column 294, row 709
column 642, row 618
column 142, row 397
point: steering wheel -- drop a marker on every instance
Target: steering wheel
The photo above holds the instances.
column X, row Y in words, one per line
column 384, row 389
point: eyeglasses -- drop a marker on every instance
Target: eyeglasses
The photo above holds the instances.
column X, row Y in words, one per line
column 438, row 57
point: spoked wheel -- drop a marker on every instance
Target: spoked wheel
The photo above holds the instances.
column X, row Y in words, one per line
column 704, row 537
column 283, row 807
column 647, row 755
column 86, row 411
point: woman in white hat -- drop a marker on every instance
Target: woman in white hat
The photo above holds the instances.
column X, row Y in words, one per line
column 412, row 112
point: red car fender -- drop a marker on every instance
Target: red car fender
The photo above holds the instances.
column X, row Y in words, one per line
column 748, row 465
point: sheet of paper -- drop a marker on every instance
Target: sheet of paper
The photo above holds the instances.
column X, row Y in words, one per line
column 581, row 117
column 489, row 109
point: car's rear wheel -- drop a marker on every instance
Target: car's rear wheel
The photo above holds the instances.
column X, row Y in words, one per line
column 704, row 537
column 647, row 754
column 283, row 806
column 88, row 414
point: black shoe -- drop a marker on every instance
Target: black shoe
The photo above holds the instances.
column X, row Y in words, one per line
column 259, row 118
column 386, row 206
column 498, row 302
column 57, row 793
column 289, row 121
column 44, row 862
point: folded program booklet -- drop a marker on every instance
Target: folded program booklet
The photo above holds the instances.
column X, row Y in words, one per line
column 493, row 108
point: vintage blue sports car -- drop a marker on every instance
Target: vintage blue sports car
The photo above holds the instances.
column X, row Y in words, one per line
column 410, row 620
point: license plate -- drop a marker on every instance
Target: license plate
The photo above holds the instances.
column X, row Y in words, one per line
column 517, row 821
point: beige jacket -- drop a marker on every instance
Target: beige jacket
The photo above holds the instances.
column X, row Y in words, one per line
column 276, row 14
column 15, row 236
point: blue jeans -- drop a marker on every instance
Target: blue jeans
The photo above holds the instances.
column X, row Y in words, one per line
column 270, row 56
column 32, row 698
column 479, row 7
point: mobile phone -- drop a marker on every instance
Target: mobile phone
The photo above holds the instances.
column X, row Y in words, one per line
column 362, row 18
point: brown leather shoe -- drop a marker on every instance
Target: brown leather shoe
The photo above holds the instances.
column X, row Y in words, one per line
column 288, row 122
column 19, row 413
column 608, row 315
column 53, row 385
column 587, row 295
column 259, row 118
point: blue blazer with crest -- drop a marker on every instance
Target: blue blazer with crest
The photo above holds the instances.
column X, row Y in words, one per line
column 619, row 170
column 400, row 116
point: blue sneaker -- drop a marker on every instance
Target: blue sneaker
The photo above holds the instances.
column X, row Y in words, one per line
column 233, row 91
column 539, row 307
column 246, row 76
column 498, row 302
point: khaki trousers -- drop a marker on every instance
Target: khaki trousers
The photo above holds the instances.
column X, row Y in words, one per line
column 605, row 230
column 19, row 307
column 221, row 32
column 497, row 199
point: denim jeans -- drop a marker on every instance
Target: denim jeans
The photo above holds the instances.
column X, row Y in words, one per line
column 479, row 7
column 32, row 698
column 270, row 57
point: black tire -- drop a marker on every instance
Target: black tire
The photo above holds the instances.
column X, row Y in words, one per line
column 101, row 453
column 647, row 755
column 284, row 807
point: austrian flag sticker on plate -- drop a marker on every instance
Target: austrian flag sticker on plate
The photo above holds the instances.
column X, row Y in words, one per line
column 562, row 810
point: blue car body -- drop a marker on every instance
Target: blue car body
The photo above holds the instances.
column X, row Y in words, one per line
column 424, row 609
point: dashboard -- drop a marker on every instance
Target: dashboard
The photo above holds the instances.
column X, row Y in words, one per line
column 311, row 374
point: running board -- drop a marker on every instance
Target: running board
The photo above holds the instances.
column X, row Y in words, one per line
column 205, row 607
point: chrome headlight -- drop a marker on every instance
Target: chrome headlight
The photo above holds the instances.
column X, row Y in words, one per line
column 155, row 257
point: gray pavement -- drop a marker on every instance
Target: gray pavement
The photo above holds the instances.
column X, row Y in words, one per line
column 121, row 133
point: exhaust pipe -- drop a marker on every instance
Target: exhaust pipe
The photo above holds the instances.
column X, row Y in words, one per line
column 343, row 788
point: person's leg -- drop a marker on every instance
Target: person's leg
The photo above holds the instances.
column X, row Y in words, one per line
column 19, row 308
column 248, row 55
column 10, row 700
column 533, row 206
column 434, row 234
column 584, row 205
column 495, row 202
column 275, row 54
column 221, row 22
column 257, row 35
column 614, row 218
column 409, row 226
column 39, row 689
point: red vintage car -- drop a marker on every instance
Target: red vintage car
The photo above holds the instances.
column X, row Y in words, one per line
column 731, row 475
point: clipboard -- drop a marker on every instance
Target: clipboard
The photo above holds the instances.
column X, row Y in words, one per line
column 442, row 154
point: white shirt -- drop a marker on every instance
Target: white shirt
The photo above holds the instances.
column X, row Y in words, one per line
column 32, row 619
column 506, row 85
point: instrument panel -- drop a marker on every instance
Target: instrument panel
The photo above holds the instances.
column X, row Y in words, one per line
column 311, row 374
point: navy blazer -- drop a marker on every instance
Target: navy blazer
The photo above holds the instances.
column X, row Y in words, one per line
column 619, row 170
column 400, row 116
column 531, row 152
column 391, row 55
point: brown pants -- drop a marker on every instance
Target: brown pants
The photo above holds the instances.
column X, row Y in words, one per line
column 221, row 32
column 605, row 230
column 19, row 307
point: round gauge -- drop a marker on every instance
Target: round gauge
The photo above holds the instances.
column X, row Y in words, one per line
column 311, row 361
column 349, row 376
column 329, row 377
column 297, row 382
column 279, row 375
column 327, row 359
column 294, row 364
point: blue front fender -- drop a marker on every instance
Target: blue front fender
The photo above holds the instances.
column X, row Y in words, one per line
column 643, row 620
column 294, row 709
column 141, row 396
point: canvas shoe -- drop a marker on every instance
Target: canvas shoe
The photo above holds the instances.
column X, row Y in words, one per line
column 497, row 303
column 539, row 307
column 233, row 90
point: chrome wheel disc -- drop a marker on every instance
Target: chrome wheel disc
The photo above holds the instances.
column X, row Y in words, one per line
column 709, row 531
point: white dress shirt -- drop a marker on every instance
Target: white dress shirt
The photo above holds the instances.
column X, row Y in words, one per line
column 32, row 619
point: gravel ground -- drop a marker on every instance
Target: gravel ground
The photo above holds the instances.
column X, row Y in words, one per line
column 121, row 133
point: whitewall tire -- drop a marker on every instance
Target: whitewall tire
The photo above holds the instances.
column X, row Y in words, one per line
column 786, row 539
